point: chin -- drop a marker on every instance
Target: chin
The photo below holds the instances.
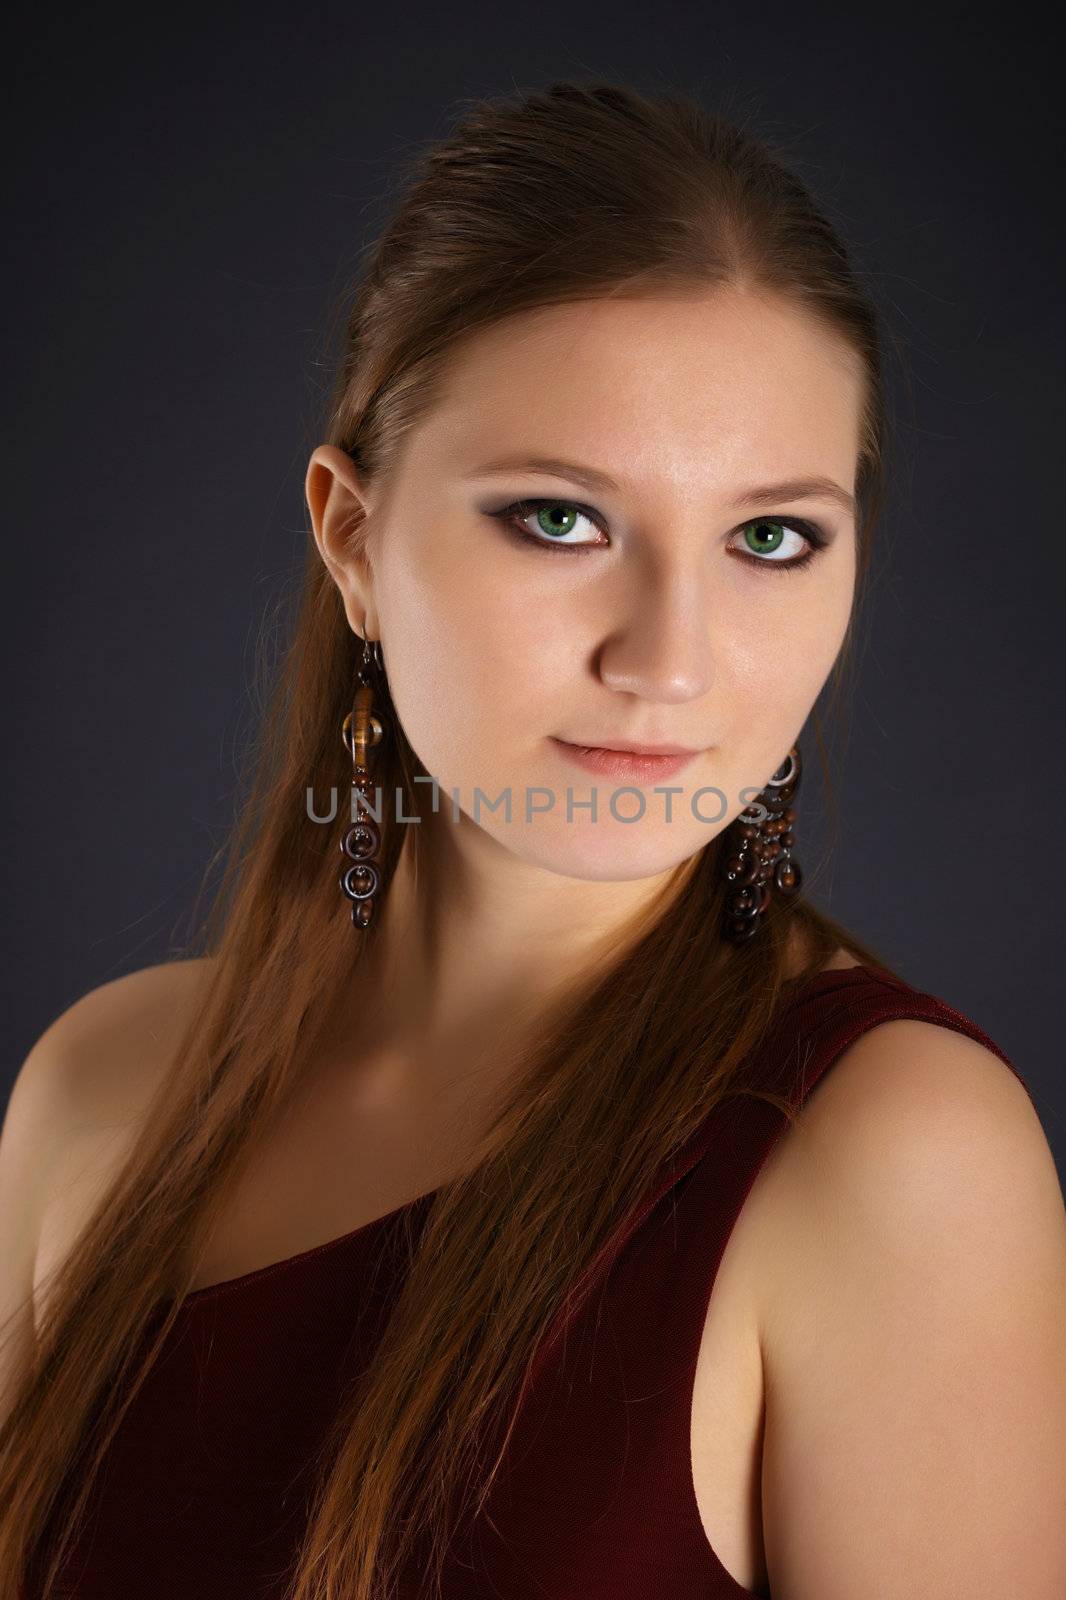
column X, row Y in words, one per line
column 612, row 853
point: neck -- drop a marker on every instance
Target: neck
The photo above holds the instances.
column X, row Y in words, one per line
column 488, row 941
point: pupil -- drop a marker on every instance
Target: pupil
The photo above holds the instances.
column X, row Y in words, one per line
column 556, row 514
column 767, row 535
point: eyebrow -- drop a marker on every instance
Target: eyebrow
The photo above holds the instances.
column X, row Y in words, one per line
column 591, row 478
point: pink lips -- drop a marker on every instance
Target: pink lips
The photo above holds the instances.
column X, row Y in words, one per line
column 648, row 763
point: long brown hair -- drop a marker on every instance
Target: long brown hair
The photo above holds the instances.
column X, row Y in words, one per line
column 569, row 192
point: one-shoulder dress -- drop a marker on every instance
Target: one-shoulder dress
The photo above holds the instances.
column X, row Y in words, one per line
column 205, row 1492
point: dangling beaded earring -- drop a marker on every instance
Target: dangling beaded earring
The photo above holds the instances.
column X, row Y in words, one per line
column 361, row 840
column 764, row 860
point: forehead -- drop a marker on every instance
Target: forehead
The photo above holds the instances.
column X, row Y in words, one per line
column 692, row 389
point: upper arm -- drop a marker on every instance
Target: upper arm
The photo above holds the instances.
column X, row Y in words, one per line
column 914, row 1333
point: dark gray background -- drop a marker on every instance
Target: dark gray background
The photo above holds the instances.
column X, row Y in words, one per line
column 188, row 196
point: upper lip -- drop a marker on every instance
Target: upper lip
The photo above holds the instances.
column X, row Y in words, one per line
column 630, row 748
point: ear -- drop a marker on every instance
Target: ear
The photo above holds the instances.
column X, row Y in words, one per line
column 337, row 502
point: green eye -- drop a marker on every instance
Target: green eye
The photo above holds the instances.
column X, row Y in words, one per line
column 556, row 519
column 764, row 537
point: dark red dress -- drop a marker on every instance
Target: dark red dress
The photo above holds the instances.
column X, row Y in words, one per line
column 206, row 1485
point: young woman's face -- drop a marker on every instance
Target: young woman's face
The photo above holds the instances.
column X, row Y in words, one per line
column 664, row 606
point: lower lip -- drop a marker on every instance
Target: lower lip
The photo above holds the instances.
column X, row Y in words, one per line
column 623, row 763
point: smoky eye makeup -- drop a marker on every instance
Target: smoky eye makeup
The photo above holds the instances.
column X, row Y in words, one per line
column 556, row 518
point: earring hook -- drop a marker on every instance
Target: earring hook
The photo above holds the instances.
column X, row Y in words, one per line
column 372, row 656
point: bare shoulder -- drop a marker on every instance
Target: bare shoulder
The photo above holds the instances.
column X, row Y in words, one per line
column 915, row 1131
column 104, row 1052
column 76, row 1104
column 912, row 1318
column 919, row 1101
column 89, row 1062
column 97, row 1062
column 86, row 1076
column 98, row 1067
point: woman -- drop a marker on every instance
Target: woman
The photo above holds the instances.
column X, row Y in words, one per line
column 398, row 1210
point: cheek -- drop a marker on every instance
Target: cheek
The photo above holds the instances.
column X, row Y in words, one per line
column 472, row 668
column 783, row 641
column 772, row 661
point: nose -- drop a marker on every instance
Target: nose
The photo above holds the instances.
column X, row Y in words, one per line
column 662, row 650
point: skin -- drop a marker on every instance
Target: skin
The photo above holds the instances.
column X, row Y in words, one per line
column 657, row 631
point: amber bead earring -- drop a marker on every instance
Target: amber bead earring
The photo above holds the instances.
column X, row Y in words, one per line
column 764, row 863
column 362, row 731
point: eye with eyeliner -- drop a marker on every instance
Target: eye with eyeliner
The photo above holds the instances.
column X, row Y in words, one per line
column 513, row 518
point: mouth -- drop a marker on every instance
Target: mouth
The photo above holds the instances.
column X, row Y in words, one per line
column 643, row 763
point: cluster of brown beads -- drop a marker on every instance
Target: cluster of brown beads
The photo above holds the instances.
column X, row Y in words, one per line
column 764, row 860
column 362, row 839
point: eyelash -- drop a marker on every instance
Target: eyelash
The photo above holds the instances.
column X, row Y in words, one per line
column 512, row 514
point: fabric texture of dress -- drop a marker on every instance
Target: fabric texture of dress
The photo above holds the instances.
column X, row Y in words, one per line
column 204, row 1496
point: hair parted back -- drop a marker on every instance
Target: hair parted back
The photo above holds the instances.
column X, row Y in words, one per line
column 573, row 191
